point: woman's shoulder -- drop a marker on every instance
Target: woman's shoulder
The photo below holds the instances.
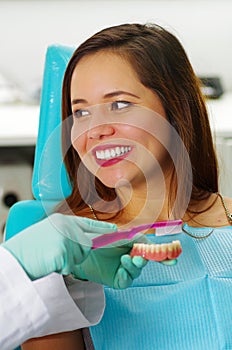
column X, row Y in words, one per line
column 216, row 211
column 223, row 210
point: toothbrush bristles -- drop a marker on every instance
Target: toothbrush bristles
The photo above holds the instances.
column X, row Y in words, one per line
column 170, row 230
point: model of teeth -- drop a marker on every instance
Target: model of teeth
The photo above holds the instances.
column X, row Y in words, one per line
column 157, row 252
column 112, row 152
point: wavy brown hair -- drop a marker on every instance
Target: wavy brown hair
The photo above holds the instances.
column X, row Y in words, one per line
column 162, row 65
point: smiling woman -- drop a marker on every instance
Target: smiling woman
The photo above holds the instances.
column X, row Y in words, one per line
column 114, row 122
column 138, row 149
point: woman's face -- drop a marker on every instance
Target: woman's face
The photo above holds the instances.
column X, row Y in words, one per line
column 117, row 122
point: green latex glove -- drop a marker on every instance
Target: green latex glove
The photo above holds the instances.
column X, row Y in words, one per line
column 55, row 244
column 112, row 265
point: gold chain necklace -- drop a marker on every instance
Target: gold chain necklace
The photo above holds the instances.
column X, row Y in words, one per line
column 195, row 236
column 93, row 211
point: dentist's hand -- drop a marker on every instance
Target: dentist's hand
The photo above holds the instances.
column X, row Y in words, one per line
column 55, row 244
column 112, row 265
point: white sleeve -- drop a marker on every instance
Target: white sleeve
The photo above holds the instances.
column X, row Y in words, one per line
column 84, row 308
column 31, row 309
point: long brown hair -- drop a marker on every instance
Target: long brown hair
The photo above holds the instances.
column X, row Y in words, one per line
column 162, row 65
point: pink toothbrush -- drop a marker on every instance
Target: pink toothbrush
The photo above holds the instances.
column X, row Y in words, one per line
column 162, row 228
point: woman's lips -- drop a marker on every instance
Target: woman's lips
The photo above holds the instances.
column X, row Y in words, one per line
column 111, row 154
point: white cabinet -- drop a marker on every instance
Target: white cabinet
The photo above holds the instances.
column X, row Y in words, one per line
column 224, row 151
column 18, row 124
column 220, row 112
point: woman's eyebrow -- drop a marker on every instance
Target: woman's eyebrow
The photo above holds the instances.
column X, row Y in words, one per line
column 108, row 95
column 78, row 100
column 119, row 92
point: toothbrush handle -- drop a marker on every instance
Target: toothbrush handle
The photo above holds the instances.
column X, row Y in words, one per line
column 109, row 238
column 160, row 224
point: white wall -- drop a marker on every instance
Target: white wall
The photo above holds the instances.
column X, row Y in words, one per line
column 28, row 27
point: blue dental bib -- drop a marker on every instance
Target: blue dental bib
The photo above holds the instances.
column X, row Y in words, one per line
column 187, row 306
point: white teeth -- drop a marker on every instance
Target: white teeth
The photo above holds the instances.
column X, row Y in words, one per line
column 101, row 155
column 112, row 152
column 107, row 154
column 118, row 151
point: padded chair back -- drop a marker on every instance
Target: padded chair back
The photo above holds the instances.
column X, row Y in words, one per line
column 50, row 182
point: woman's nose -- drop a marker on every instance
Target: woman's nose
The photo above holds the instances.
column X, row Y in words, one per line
column 100, row 125
column 100, row 131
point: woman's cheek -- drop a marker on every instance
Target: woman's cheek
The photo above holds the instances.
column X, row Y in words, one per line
column 79, row 149
column 78, row 141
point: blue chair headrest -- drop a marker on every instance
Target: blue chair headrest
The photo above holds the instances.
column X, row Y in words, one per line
column 50, row 181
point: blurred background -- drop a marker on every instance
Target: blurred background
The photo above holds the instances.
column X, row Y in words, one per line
column 27, row 28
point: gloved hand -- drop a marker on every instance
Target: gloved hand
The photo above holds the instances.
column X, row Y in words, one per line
column 55, row 244
column 112, row 265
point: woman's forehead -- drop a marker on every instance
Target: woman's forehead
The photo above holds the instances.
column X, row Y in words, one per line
column 104, row 73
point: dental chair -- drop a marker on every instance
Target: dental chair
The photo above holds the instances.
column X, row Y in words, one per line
column 50, row 184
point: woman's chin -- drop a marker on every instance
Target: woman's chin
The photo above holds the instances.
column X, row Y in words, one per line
column 115, row 181
column 116, row 184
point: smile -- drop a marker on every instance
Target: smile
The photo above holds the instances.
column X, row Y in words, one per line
column 111, row 153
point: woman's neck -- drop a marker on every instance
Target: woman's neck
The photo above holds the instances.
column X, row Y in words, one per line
column 143, row 205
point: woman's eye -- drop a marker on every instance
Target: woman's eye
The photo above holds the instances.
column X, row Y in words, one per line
column 81, row 113
column 118, row 105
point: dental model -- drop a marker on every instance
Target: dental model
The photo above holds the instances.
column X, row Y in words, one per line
column 165, row 252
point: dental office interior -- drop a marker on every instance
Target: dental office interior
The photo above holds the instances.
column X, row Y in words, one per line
column 28, row 27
